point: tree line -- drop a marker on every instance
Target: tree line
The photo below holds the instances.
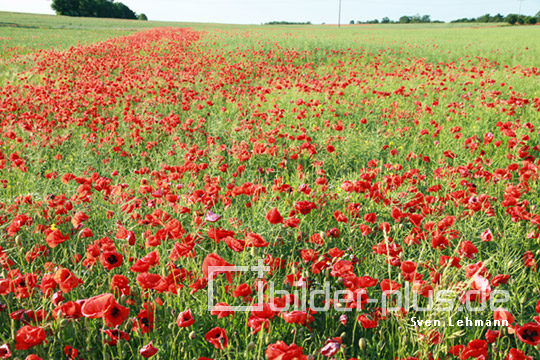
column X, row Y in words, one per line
column 95, row 8
column 512, row 19
column 287, row 23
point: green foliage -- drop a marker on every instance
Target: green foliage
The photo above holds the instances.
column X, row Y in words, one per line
column 511, row 19
column 287, row 23
column 93, row 8
column 142, row 17
column 405, row 19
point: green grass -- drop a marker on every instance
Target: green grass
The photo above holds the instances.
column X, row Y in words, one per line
column 373, row 57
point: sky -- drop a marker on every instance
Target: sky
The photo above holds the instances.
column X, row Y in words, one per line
column 316, row 11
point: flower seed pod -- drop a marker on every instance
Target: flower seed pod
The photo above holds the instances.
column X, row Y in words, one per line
column 362, row 344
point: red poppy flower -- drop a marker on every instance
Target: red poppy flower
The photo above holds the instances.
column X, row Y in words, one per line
column 475, row 349
column 185, row 319
column 114, row 336
column 529, row 333
column 5, row 352
column 255, row 240
column 71, row 352
column 55, row 238
column 282, row 351
column 225, row 310
column 215, row 260
column 492, row 336
column 152, row 281
column 29, row 336
column 516, row 354
column 274, row 217
column 242, row 290
column 111, row 259
column 389, row 286
column 120, row 285
column 217, row 337
column 501, row 314
column 33, row 357
column 96, row 306
column 148, row 350
column 304, row 207
column 366, row 322
column 331, row 347
column 115, row 314
column 486, row 235
column 78, row 219
column 69, row 310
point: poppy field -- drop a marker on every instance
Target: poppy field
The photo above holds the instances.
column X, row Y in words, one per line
column 370, row 159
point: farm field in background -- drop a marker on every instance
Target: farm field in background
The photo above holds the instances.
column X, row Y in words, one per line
column 135, row 155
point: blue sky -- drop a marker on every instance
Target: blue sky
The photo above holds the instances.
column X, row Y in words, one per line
column 316, row 11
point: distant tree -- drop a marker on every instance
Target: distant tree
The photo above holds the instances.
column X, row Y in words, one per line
column 511, row 19
column 142, row 17
column 405, row 19
column 426, row 19
column 483, row 19
column 416, row 18
column 385, row 20
column 498, row 18
column 93, row 8
column 530, row 20
column 351, row 22
column 288, row 23
column 66, row 7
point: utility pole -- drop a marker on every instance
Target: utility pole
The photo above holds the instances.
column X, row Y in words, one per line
column 339, row 15
column 520, row 3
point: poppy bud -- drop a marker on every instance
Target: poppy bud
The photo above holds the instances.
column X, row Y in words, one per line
column 310, row 357
column 251, row 346
column 253, row 251
column 362, row 344
column 343, row 334
column 123, row 298
column 192, row 335
column 63, row 323
column 18, row 240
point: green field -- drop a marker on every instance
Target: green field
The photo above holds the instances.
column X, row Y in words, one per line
column 366, row 157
